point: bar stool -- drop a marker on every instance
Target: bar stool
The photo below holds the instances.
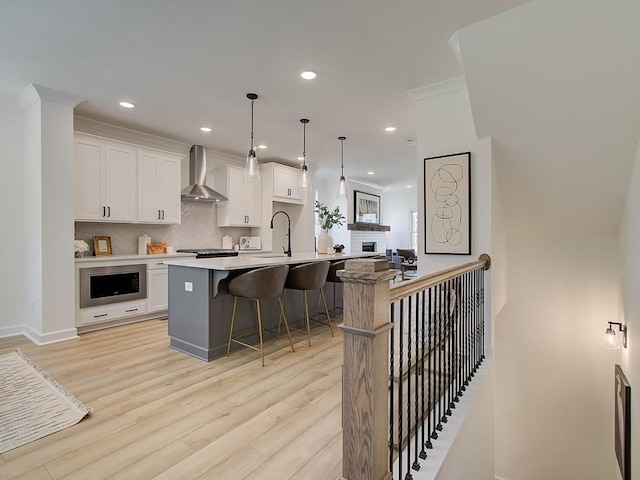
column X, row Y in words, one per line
column 305, row 277
column 258, row 284
column 332, row 277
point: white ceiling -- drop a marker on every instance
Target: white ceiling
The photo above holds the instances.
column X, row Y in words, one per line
column 191, row 63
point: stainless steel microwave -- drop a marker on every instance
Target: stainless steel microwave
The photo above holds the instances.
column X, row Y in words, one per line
column 113, row 284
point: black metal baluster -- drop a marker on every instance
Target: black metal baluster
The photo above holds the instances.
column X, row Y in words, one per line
column 451, row 331
column 416, row 464
column 482, row 313
column 430, row 413
column 458, row 318
column 400, row 389
column 409, row 367
column 445, row 356
column 439, row 352
column 425, row 373
column 391, row 385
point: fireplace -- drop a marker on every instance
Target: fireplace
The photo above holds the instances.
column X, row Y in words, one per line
column 369, row 246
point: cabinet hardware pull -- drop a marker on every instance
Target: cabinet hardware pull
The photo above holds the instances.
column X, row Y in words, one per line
column 101, row 315
column 104, row 211
column 158, row 214
column 109, row 211
column 131, row 310
column 162, row 214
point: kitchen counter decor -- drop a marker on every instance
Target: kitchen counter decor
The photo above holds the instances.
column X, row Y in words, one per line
column 79, row 247
column 328, row 219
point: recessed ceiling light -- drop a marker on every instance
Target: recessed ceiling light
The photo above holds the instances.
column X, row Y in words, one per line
column 262, row 146
column 127, row 104
column 390, row 129
column 300, row 158
column 370, row 173
column 205, row 129
column 411, row 142
column 309, row 74
column 409, row 186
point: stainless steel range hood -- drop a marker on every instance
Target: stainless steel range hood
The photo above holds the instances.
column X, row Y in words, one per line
column 197, row 189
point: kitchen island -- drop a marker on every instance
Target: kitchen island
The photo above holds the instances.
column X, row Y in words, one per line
column 200, row 305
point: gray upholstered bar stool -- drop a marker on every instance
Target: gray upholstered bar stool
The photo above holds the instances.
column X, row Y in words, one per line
column 332, row 277
column 305, row 277
column 258, row 284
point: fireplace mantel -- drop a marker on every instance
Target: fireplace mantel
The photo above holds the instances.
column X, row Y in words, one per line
column 368, row 227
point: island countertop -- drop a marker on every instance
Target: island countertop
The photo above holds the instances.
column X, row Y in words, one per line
column 262, row 260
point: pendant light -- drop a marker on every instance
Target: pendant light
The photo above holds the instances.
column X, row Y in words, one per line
column 342, row 185
column 251, row 168
column 304, row 177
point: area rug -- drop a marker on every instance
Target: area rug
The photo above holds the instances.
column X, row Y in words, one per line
column 32, row 404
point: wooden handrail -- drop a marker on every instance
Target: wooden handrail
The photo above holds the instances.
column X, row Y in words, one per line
column 404, row 289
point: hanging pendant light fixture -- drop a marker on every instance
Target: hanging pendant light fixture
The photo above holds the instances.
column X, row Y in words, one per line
column 304, row 177
column 342, row 185
column 251, row 168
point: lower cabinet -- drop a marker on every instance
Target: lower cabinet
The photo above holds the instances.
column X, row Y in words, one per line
column 158, row 286
column 113, row 312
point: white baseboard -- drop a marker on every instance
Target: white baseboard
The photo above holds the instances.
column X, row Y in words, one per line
column 12, row 331
column 51, row 337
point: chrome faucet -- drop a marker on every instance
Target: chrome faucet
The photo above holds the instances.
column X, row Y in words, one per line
column 287, row 252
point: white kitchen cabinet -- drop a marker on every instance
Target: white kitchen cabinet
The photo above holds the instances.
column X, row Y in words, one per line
column 105, row 181
column 286, row 182
column 243, row 209
column 158, row 188
column 157, row 285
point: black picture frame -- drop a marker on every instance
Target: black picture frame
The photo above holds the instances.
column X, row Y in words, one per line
column 447, row 204
column 366, row 208
column 623, row 423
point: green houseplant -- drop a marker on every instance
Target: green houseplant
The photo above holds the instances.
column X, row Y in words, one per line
column 328, row 219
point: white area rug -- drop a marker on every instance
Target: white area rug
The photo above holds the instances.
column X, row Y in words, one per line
column 32, row 404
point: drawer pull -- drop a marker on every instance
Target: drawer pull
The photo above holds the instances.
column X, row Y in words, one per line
column 131, row 310
column 101, row 315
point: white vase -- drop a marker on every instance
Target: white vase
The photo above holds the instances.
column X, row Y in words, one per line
column 325, row 242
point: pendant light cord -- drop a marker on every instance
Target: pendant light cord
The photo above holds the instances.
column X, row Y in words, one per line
column 251, row 145
column 304, row 122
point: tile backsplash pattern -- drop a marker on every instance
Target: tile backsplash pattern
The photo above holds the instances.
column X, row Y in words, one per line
column 359, row 236
column 198, row 229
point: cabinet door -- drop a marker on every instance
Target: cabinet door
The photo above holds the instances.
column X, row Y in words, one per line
column 253, row 204
column 286, row 184
column 158, row 289
column 236, row 194
column 120, row 183
column 148, row 188
column 88, row 182
column 169, row 186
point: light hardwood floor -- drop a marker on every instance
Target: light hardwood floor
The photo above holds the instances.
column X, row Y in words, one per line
column 161, row 414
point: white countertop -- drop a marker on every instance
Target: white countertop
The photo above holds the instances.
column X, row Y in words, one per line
column 133, row 256
column 262, row 260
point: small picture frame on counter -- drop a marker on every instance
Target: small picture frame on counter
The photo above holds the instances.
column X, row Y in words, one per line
column 102, row 245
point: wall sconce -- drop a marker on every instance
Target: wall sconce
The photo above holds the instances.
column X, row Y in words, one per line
column 610, row 339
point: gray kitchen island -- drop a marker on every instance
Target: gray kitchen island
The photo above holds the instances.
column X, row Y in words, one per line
column 200, row 305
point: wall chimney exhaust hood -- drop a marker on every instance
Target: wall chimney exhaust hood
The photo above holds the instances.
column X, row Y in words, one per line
column 197, row 189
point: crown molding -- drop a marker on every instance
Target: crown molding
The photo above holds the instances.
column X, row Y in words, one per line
column 34, row 92
column 444, row 87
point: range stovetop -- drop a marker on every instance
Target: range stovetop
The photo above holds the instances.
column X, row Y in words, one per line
column 209, row 252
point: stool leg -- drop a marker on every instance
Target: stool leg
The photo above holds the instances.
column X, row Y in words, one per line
column 286, row 324
column 233, row 319
column 324, row 300
column 260, row 329
column 306, row 314
column 282, row 314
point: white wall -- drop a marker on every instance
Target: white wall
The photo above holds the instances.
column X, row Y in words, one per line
column 12, row 214
column 554, row 390
column 397, row 204
column 630, row 308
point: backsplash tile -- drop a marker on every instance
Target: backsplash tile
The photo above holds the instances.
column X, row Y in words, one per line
column 198, row 230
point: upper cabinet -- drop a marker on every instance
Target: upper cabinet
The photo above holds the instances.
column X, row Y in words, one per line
column 243, row 209
column 286, row 184
column 158, row 188
column 120, row 182
column 105, row 181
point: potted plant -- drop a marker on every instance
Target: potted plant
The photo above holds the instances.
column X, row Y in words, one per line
column 328, row 219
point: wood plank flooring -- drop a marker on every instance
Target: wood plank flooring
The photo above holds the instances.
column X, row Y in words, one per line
column 161, row 414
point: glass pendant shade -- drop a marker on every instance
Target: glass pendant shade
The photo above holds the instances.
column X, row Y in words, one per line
column 251, row 168
column 304, row 183
column 610, row 339
column 342, row 184
column 342, row 188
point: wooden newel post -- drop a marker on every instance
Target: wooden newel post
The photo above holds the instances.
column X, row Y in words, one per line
column 365, row 410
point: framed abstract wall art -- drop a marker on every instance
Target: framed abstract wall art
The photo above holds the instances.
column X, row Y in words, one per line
column 447, row 204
